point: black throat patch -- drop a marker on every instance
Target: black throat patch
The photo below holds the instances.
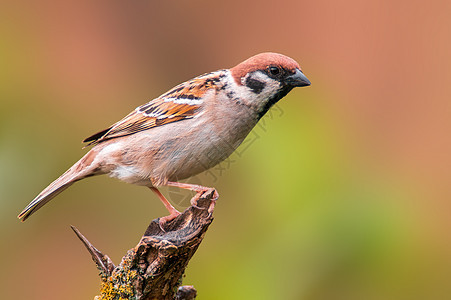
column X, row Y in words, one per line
column 274, row 99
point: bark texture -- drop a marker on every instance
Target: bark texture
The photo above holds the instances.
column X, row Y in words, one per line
column 155, row 267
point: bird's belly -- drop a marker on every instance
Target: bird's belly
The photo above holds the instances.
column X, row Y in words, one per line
column 130, row 174
column 198, row 148
column 173, row 152
column 199, row 157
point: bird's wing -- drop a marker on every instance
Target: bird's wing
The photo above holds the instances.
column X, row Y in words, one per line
column 179, row 103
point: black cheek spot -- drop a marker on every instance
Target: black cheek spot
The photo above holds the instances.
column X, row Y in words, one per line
column 255, row 85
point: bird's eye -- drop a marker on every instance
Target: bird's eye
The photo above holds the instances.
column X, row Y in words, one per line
column 274, row 71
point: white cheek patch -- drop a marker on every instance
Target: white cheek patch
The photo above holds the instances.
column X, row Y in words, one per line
column 270, row 89
column 257, row 100
column 243, row 80
column 271, row 85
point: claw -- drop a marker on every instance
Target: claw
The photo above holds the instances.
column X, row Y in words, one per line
column 163, row 220
column 194, row 200
column 200, row 190
column 213, row 199
column 203, row 192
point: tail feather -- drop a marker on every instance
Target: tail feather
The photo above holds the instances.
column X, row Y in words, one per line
column 44, row 197
column 77, row 172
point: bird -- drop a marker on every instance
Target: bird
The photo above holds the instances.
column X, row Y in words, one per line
column 185, row 131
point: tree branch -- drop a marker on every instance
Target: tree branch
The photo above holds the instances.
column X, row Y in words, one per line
column 154, row 268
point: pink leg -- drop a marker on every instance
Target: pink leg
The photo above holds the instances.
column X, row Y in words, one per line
column 173, row 213
column 196, row 188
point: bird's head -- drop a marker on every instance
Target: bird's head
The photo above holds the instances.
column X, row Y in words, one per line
column 266, row 78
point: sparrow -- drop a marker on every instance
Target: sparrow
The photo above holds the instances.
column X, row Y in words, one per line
column 187, row 130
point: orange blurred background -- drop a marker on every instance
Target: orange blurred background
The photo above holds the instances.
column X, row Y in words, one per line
column 343, row 192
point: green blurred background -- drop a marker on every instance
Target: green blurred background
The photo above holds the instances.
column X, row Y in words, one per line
column 342, row 192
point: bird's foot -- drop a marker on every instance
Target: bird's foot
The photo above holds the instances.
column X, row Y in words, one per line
column 202, row 192
column 164, row 220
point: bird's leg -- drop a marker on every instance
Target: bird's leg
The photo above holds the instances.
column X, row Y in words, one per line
column 173, row 213
column 199, row 191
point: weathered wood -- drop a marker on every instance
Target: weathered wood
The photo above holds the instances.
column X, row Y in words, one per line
column 155, row 267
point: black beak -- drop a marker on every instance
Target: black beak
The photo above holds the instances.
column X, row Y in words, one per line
column 297, row 79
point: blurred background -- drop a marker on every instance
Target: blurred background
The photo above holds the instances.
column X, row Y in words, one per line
column 342, row 191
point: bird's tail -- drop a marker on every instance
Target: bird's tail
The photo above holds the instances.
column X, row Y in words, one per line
column 81, row 169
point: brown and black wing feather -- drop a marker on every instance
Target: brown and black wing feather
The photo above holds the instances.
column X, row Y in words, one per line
column 139, row 120
column 182, row 102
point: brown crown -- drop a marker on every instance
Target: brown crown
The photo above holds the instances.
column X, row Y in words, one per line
column 261, row 62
